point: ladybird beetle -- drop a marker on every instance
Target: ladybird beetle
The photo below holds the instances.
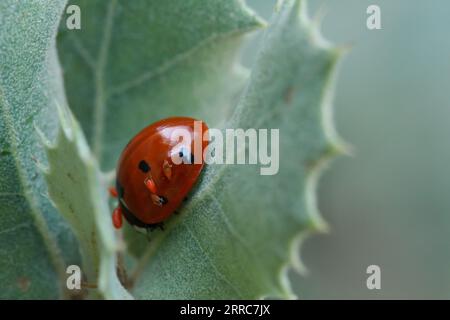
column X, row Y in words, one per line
column 155, row 172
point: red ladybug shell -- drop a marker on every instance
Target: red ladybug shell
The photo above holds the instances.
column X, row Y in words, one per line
column 151, row 149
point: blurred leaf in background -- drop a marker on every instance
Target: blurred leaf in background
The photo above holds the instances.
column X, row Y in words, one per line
column 387, row 205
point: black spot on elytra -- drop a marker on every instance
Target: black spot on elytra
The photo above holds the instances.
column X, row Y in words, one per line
column 144, row 166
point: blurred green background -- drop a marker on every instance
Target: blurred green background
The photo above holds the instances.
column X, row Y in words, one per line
column 389, row 204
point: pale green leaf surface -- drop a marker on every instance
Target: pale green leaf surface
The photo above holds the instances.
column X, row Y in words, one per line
column 78, row 190
column 36, row 243
column 134, row 62
column 235, row 238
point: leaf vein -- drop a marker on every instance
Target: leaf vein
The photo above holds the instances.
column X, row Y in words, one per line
column 100, row 95
column 14, row 228
column 82, row 51
column 11, row 194
column 172, row 63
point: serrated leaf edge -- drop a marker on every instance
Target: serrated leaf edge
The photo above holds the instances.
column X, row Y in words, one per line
column 70, row 128
column 336, row 147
